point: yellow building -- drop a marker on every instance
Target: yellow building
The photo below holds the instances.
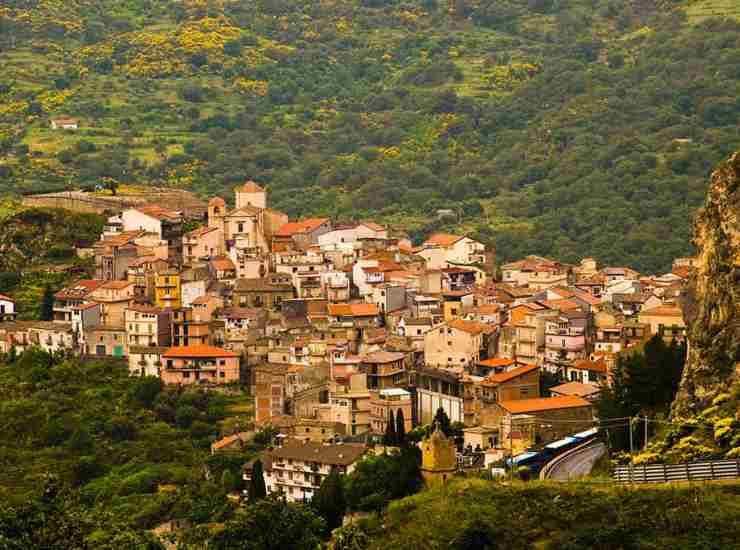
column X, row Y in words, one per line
column 167, row 290
column 438, row 458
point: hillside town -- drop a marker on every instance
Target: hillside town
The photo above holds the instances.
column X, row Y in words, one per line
column 337, row 330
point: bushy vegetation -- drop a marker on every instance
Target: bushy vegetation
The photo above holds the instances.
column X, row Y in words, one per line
column 35, row 239
column 478, row 514
column 119, row 446
column 547, row 127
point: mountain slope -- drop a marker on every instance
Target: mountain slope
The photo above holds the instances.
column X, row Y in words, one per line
column 548, row 128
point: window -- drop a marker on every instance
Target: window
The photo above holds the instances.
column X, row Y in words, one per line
column 240, row 227
column 222, row 362
column 222, row 374
column 186, row 375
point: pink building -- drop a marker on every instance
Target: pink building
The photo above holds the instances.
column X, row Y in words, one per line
column 199, row 365
column 201, row 244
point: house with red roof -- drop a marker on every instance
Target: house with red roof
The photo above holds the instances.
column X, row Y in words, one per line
column 75, row 295
column 201, row 244
column 300, row 235
column 442, row 250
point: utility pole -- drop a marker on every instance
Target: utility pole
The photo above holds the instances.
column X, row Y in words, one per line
column 632, row 448
column 646, row 432
column 511, row 448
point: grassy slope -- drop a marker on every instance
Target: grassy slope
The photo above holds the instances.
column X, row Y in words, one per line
column 574, row 516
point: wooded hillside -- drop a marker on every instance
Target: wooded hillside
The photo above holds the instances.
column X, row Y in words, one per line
column 557, row 127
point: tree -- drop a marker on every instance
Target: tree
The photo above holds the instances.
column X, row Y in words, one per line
column 271, row 524
column 443, row 421
column 329, row 501
column 377, row 480
column 229, row 481
column 257, row 489
column 146, row 390
column 400, row 428
column 47, row 304
column 390, row 438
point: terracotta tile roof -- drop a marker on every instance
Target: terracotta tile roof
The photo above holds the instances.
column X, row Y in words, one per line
column 374, row 226
column 352, row 310
column 487, row 309
column 116, row 285
column 587, row 297
column 502, row 377
column 225, row 442
column 80, row 289
column 159, row 213
column 251, row 187
column 442, row 239
column 593, row 280
column 222, row 264
column 517, row 314
column 123, row 238
column 198, row 351
column 576, row 388
column 217, row 201
column 560, row 305
column 199, row 232
column 523, row 406
column 586, row 364
column 471, row 327
column 86, row 306
column 682, row 271
column 339, row 455
column 663, row 311
column 497, row 362
column 6, row 298
column 296, row 228
column 562, row 292
column 383, row 357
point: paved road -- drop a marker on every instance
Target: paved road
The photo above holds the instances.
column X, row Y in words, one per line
column 579, row 464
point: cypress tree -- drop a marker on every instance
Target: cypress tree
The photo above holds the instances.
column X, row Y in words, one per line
column 329, row 501
column 443, row 421
column 400, row 428
column 47, row 305
column 390, row 431
column 257, row 489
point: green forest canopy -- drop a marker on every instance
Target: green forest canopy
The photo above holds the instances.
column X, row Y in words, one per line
column 563, row 128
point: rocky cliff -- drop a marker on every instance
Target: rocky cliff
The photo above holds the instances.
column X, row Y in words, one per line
column 712, row 308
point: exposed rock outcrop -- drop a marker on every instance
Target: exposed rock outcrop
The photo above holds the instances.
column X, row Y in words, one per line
column 712, row 309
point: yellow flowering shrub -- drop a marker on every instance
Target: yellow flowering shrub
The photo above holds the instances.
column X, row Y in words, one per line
column 509, row 77
column 255, row 87
column 51, row 99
